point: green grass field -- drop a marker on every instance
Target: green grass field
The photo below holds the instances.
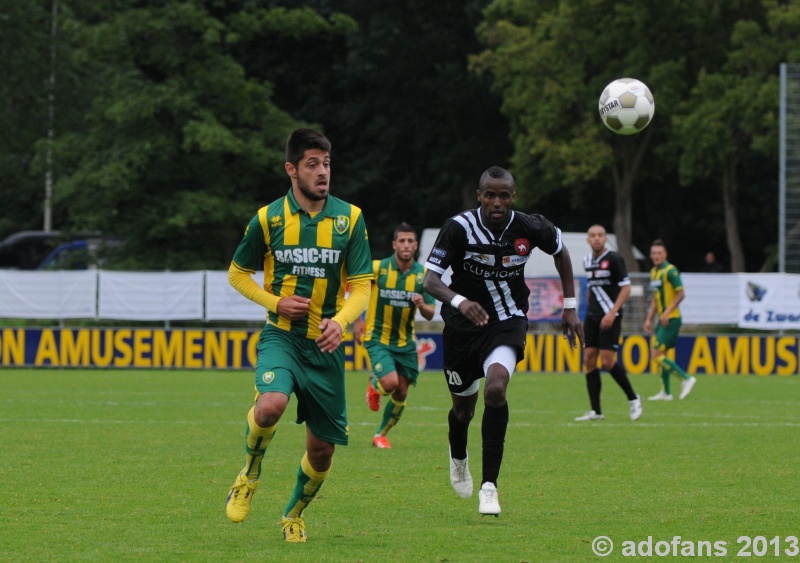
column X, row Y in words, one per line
column 135, row 466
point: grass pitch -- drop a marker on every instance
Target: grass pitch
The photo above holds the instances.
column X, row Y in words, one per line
column 103, row 465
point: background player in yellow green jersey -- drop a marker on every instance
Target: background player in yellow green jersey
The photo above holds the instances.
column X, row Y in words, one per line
column 389, row 335
column 667, row 288
column 310, row 246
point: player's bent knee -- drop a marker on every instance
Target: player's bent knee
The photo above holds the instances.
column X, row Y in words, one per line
column 269, row 409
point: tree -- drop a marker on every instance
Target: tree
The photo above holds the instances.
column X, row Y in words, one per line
column 419, row 128
column 25, row 45
column 412, row 128
column 550, row 63
column 178, row 141
column 732, row 112
column 171, row 116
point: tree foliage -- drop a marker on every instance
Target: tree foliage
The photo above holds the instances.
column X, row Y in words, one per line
column 730, row 117
column 177, row 141
column 412, row 128
column 25, row 59
column 171, row 116
column 713, row 69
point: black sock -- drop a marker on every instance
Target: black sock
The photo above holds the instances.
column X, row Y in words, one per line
column 457, row 436
column 493, row 431
column 621, row 377
column 593, row 384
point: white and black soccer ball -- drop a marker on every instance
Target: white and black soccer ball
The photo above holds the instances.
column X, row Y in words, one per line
column 627, row 106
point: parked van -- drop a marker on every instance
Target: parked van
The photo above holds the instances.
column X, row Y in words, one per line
column 540, row 264
column 53, row 250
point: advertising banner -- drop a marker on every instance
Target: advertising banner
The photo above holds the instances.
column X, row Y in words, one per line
column 546, row 302
column 149, row 348
column 769, row 301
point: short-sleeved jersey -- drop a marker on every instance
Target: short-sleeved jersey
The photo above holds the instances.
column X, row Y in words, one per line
column 665, row 282
column 305, row 255
column 490, row 268
column 390, row 314
column 606, row 276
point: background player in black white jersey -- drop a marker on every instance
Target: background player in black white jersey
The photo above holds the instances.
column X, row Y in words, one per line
column 608, row 287
column 485, row 313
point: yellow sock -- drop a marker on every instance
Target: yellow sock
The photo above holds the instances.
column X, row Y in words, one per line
column 380, row 388
column 257, row 441
column 391, row 414
column 308, row 483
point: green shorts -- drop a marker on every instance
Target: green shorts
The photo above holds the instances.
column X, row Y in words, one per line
column 386, row 359
column 288, row 364
column 667, row 336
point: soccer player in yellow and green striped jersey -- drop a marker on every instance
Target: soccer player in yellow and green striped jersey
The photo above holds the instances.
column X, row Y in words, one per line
column 389, row 333
column 667, row 288
column 310, row 246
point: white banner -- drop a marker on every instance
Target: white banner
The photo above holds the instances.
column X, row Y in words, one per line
column 48, row 295
column 759, row 301
column 223, row 303
column 144, row 296
column 710, row 299
column 769, row 301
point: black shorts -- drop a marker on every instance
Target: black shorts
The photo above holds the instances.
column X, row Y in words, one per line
column 465, row 352
column 594, row 337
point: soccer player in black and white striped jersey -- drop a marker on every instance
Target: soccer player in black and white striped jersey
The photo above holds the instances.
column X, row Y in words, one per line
column 608, row 287
column 485, row 313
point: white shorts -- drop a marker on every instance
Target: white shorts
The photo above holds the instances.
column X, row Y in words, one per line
column 503, row 355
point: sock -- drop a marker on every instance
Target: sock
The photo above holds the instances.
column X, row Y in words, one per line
column 376, row 384
column 675, row 368
column 257, row 439
column 665, row 379
column 593, row 384
column 493, row 431
column 621, row 377
column 391, row 415
column 305, row 489
column 457, row 436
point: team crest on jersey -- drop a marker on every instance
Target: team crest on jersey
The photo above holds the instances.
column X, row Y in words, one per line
column 341, row 224
column 275, row 221
column 378, row 367
column 522, row 246
column 268, row 377
column 420, row 277
column 604, row 265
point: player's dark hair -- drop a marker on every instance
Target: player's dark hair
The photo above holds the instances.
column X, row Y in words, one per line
column 659, row 242
column 301, row 140
column 496, row 173
column 404, row 228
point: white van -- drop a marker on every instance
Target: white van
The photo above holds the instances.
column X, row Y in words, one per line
column 540, row 265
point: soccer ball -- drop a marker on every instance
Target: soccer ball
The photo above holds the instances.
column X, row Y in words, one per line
column 627, row 106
